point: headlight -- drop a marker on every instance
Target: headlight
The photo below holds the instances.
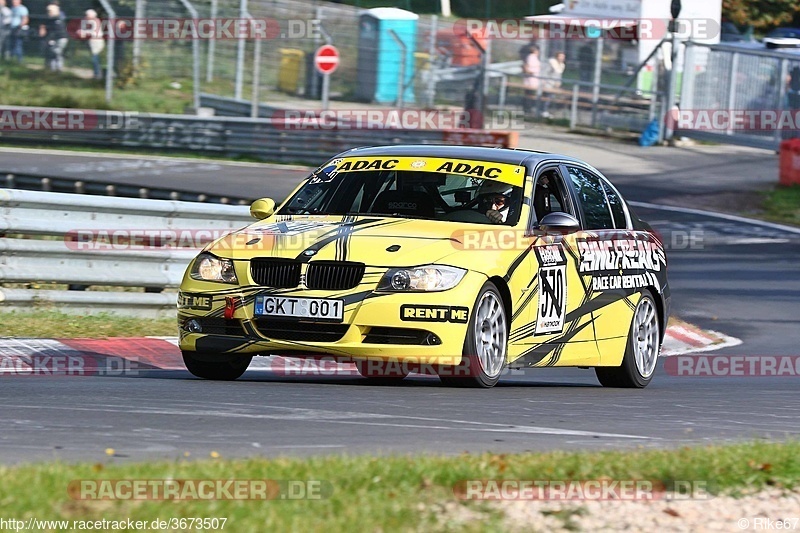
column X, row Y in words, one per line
column 209, row 267
column 421, row 278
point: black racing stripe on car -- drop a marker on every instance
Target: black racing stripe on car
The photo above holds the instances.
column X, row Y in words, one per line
column 577, row 262
column 517, row 262
column 630, row 304
column 526, row 302
column 522, row 332
column 607, row 298
column 249, row 329
column 586, row 307
column 356, row 297
column 537, row 353
column 331, row 236
column 349, row 229
column 534, row 355
column 248, row 344
column 573, row 330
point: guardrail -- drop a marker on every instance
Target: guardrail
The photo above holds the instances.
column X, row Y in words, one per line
column 36, row 182
column 108, row 244
column 267, row 139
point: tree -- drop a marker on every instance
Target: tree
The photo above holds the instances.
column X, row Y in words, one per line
column 761, row 14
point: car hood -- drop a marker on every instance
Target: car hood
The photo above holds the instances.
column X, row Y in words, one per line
column 375, row 241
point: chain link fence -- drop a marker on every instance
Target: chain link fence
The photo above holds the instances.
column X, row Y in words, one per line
column 741, row 96
column 444, row 68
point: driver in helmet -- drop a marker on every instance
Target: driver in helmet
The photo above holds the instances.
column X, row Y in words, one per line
column 495, row 199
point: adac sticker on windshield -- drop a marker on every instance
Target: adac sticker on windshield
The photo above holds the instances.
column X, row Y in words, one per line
column 511, row 174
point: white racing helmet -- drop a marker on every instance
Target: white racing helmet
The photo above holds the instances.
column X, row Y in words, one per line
column 494, row 187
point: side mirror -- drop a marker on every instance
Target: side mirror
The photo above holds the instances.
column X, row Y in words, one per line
column 263, row 208
column 559, row 223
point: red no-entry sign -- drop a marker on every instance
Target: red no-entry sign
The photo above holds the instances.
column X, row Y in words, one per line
column 326, row 59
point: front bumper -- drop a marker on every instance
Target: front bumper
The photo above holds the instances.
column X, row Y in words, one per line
column 417, row 328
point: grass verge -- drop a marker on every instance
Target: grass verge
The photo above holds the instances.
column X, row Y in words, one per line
column 782, row 204
column 385, row 494
column 54, row 324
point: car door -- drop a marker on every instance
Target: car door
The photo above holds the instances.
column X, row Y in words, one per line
column 607, row 250
column 555, row 330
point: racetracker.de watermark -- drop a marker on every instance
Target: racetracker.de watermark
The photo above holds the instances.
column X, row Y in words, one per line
column 724, row 366
column 182, row 29
column 329, row 366
column 42, row 119
column 199, row 489
column 266, row 238
column 393, row 119
column 580, row 490
column 579, row 28
column 55, row 365
column 723, row 120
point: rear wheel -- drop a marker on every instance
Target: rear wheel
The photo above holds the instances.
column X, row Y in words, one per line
column 485, row 346
column 641, row 353
column 216, row 367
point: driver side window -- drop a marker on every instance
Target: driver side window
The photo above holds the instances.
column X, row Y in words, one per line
column 549, row 195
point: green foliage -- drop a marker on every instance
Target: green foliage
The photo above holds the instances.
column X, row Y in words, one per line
column 761, row 14
column 389, row 493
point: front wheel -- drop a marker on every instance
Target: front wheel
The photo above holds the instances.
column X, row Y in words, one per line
column 485, row 346
column 641, row 353
column 216, row 367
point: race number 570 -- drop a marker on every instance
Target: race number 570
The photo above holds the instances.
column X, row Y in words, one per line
column 552, row 299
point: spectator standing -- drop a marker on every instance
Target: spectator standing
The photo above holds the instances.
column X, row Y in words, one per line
column 5, row 28
column 553, row 74
column 55, row 38
column 61, row 13
column 532, row 68
column 92, row 31
column 19, row 26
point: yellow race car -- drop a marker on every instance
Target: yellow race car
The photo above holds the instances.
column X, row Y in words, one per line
column 457, row 260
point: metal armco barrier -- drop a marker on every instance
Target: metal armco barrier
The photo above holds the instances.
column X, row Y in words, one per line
column 79, row 240
column 233, row 107
column 33, row 182
column 266, row 139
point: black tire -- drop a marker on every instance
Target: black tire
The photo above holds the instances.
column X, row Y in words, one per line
column 381, row 372
column 479, row 368
column 216, row 367
column 630, row 375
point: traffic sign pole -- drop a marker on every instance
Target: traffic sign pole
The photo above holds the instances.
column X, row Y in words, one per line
column 326, row 60
column 326, row 83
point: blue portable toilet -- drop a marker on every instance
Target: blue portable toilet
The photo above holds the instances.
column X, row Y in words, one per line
column 380, row 57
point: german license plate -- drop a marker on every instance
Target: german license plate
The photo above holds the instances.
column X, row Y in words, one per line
column 308, row 308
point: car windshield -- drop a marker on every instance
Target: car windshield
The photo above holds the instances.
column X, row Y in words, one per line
column 457, row 191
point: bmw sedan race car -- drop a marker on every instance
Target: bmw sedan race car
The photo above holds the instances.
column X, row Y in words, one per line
column 461, row 261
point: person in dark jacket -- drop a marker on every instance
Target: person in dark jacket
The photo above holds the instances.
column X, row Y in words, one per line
column 54, row 35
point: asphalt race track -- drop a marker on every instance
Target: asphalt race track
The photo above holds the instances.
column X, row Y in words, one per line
column 734, row 277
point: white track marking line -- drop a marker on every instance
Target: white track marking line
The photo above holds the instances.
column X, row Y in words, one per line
column 308, row 415
column 713, row 214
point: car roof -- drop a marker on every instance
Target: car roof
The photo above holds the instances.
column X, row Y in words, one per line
column 446, row 151
column 784, row 30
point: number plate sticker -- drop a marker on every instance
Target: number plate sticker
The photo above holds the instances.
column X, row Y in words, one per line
column 552, row 289
column 308, row 308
